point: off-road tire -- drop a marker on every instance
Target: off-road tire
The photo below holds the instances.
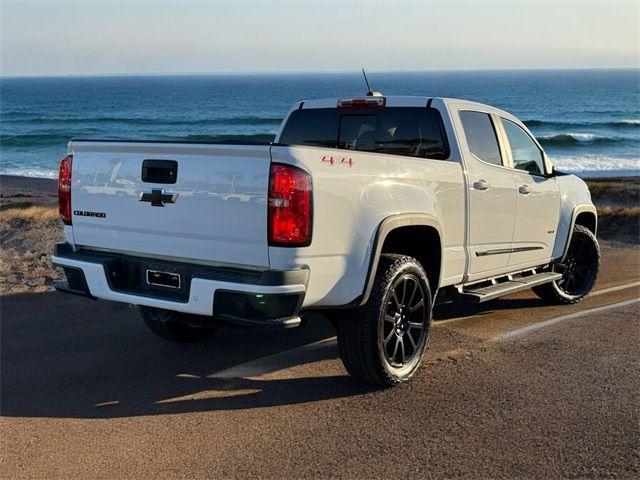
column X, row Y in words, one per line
column 362, row 348
column 556, row 291
column 174, row 326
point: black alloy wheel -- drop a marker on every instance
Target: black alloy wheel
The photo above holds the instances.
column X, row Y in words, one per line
column 403, row 329
column 579, row 269
column 383, row 341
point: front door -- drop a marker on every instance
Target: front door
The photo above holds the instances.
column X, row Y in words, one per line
column 538, row 200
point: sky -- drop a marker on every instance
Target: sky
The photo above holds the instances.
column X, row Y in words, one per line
column 48, row 37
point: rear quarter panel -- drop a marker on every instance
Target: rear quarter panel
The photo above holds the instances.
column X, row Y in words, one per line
column 353, row 192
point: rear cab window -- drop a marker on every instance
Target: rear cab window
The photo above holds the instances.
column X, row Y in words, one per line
column 315, row 127
column 406, row 131
column 481, row 136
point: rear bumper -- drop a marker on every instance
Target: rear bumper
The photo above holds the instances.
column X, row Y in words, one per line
column 241, row 296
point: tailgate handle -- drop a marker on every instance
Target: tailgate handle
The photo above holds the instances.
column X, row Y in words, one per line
column 159, row 171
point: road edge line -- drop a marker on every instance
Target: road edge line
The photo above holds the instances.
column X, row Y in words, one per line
column 438, row 323
column 615, row 289
column 553, row 321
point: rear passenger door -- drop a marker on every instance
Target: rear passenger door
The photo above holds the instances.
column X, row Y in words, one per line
column 538, row 199
column 491, row 196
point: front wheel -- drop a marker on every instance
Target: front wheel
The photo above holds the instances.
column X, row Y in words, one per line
column 175, row 326
column 579, row 270
column 383, row 341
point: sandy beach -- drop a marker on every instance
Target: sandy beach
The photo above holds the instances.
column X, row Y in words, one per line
column 29, row 226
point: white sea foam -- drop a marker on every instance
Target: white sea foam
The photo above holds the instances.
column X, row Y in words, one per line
column 597, row 164
column 584, row 137
column 30, row 172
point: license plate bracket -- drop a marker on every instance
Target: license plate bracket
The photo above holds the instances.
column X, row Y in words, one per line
column 159, row 278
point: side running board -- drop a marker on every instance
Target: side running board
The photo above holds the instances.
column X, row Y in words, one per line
column 485, row 291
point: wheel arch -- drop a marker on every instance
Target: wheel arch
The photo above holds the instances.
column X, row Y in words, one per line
column 587, row 219
column 417, row 235
column 585, row 215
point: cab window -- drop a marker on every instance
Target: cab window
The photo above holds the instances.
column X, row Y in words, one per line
column 413, row 132
column 525, row 153
column 406, row 131
column 481, row 136
column 357, row 132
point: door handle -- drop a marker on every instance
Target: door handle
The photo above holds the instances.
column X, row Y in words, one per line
column 481, row 185
column 524, row 189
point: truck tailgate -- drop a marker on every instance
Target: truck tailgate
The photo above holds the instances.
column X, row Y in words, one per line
column 213, row 209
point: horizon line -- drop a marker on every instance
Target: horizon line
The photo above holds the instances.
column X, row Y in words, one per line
column 311, row 72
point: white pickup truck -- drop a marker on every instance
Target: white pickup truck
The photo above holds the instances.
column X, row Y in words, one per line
column 366, row 208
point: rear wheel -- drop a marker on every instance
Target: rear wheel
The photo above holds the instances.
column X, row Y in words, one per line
column 383, row 341
column 579, row 270
column 175, row 326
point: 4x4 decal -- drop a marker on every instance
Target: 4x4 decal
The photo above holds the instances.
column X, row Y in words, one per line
column 334, row 160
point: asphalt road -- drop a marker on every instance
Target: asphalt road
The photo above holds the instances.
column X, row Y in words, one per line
column 87, row 391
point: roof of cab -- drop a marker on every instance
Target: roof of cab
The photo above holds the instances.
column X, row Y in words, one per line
column 406, row 101
column 392, row 101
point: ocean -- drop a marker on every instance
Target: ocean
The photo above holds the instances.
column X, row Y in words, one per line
column 587, row 120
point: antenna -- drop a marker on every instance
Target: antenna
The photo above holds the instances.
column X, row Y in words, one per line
column 370, row 93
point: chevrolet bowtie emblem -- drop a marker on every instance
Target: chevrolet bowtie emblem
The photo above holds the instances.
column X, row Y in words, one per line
column 158, row 197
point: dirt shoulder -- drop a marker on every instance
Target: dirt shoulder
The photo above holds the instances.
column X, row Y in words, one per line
column 618, row 204
column 28, row 235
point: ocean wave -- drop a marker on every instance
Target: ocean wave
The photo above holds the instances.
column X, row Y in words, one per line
column 19, row 113
column 574, row 139
column 258, row 138
column 53, row 139
column 34, row 139
column 624, row 123
column 537, row 123
column 30, row 172
column 244, row 120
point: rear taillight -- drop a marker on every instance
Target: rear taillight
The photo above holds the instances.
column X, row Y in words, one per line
column 64, row 189
column 289, row 206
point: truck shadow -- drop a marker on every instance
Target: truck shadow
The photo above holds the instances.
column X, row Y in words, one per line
column 69, row 357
